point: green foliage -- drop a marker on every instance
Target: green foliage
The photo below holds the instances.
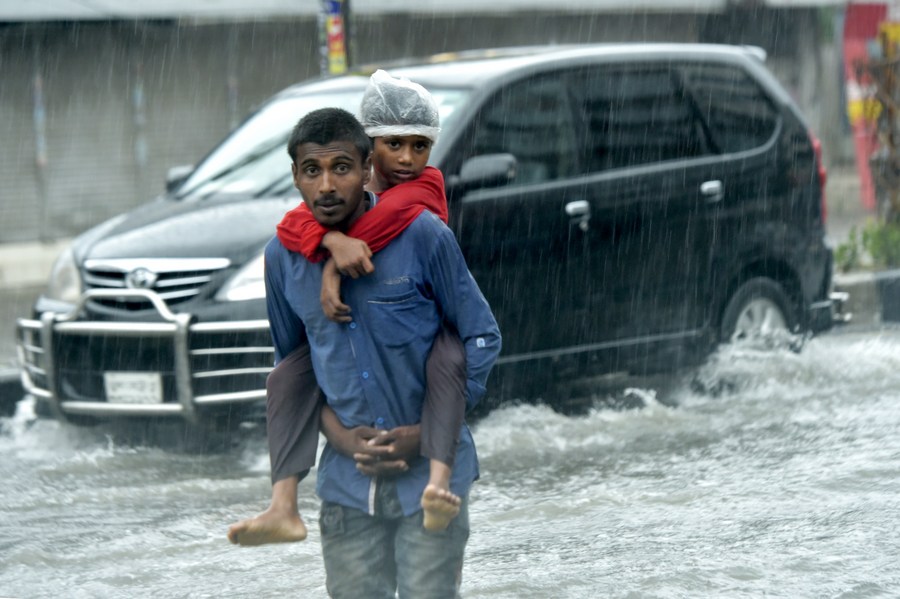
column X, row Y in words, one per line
column 846, row 255
column 882, row 241
column 878, row 246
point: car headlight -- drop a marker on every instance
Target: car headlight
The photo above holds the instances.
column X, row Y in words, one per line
column 65, row 279
column 248, row 283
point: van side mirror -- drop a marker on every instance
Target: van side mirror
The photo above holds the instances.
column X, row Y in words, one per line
column 176, row 176
column 487, row 170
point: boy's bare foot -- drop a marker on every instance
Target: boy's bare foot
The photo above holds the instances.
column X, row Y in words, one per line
column 271, row 526
column 440, row 507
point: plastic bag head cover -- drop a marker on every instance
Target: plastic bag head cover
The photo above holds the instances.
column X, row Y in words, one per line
column 398, row 107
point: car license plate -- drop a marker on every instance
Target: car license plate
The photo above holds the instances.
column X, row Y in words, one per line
column 133, row 387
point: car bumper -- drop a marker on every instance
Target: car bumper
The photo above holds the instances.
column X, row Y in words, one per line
column 170, row 367
column 823, row 315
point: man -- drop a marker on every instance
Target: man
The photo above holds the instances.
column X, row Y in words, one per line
column 372, row 370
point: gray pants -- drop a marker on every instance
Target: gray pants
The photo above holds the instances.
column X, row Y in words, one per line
column 386, row 553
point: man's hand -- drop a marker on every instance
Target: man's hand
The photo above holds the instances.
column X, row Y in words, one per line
column 351, row 256
column 388, row 453
column 330, row 296
column 377, row 452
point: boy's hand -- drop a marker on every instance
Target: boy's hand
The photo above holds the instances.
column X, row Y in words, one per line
column 351, row 256
column 389, row 452
column 330, row 296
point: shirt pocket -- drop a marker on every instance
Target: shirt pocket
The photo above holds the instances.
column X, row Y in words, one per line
column 401, row 318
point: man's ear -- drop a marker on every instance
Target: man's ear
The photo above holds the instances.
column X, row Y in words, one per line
column 367, row 169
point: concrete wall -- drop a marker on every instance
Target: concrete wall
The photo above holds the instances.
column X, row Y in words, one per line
column 124, row 101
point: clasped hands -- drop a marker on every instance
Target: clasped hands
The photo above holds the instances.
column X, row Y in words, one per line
column 377, row 452
column 384, row 453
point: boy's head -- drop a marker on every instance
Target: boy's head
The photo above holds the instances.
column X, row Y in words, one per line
column 402, row 119
column 398, row 107
column 331, row 163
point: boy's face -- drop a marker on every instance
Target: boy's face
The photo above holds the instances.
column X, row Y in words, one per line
column 331, row 179
column 400, row 158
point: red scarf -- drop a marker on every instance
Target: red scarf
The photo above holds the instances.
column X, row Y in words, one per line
column 396, row 208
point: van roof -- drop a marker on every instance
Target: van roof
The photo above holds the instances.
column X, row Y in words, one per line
column 470, row 68
column 479, row 65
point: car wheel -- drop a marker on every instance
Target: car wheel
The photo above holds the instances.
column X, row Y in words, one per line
column 758, row 309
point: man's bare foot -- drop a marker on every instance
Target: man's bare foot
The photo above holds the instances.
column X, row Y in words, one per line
column 271, row 526
column 440, row 507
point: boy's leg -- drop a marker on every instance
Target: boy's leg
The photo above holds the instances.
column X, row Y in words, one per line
column 445, row 397
column 292, row 426
column 429, row 564
column 442, row 418
column 293, row 402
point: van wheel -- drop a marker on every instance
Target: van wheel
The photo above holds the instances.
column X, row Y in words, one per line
column 758, row 309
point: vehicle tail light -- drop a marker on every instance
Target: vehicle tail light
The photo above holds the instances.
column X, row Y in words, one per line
column 823, row 175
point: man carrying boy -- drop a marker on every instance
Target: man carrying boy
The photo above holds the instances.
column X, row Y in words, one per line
column 372, row 370
column 402, row 120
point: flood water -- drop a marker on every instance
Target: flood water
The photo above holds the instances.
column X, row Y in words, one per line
column 775, row 474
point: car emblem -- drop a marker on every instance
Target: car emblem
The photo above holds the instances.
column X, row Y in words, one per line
column 140, row 278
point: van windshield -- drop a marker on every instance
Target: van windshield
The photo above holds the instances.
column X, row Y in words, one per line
column 253, row 160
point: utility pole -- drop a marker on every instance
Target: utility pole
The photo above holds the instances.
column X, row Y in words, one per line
column 334, row 36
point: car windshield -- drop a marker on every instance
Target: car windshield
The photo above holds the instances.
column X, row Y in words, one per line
column 253, row 160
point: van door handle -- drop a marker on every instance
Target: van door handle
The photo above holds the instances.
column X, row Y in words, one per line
column 580, row 210
column 712, row 191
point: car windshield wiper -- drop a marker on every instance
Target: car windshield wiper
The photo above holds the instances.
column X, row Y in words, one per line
column 261, row 151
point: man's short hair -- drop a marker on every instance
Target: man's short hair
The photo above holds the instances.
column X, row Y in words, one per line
column 327, row 125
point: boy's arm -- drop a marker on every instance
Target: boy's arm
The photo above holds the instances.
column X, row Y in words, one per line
column 465, row 308
column 300, row 232
column 330, row 294
column 351, row 256
column 395, row 209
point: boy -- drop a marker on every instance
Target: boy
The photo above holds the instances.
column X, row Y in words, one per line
column 402, row 120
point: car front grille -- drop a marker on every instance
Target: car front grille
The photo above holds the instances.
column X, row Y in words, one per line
column 227, row 361
column 175, row 280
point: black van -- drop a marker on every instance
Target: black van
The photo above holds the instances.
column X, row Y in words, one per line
column 623, row 207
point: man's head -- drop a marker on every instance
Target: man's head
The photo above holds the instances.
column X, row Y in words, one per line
column 330, row 155
column 402, row 119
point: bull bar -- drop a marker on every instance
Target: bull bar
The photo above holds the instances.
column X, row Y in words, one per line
column 39, row 359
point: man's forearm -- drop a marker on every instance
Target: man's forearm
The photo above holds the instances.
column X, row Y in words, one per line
column 340, row 437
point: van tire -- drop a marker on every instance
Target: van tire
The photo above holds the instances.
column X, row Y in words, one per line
column 759, row 305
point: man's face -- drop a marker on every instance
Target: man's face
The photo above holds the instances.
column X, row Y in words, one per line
column 331, row 179
column 400, row 158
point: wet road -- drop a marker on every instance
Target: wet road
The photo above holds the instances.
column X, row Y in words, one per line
column 763, row 474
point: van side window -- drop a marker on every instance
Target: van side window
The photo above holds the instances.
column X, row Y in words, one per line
column 635, row 115
column 531, row 120
column 739, row 114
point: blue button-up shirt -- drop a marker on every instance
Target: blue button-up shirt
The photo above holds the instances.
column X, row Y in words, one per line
column 372, row 370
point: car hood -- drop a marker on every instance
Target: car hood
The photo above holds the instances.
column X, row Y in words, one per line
column 222, row 227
